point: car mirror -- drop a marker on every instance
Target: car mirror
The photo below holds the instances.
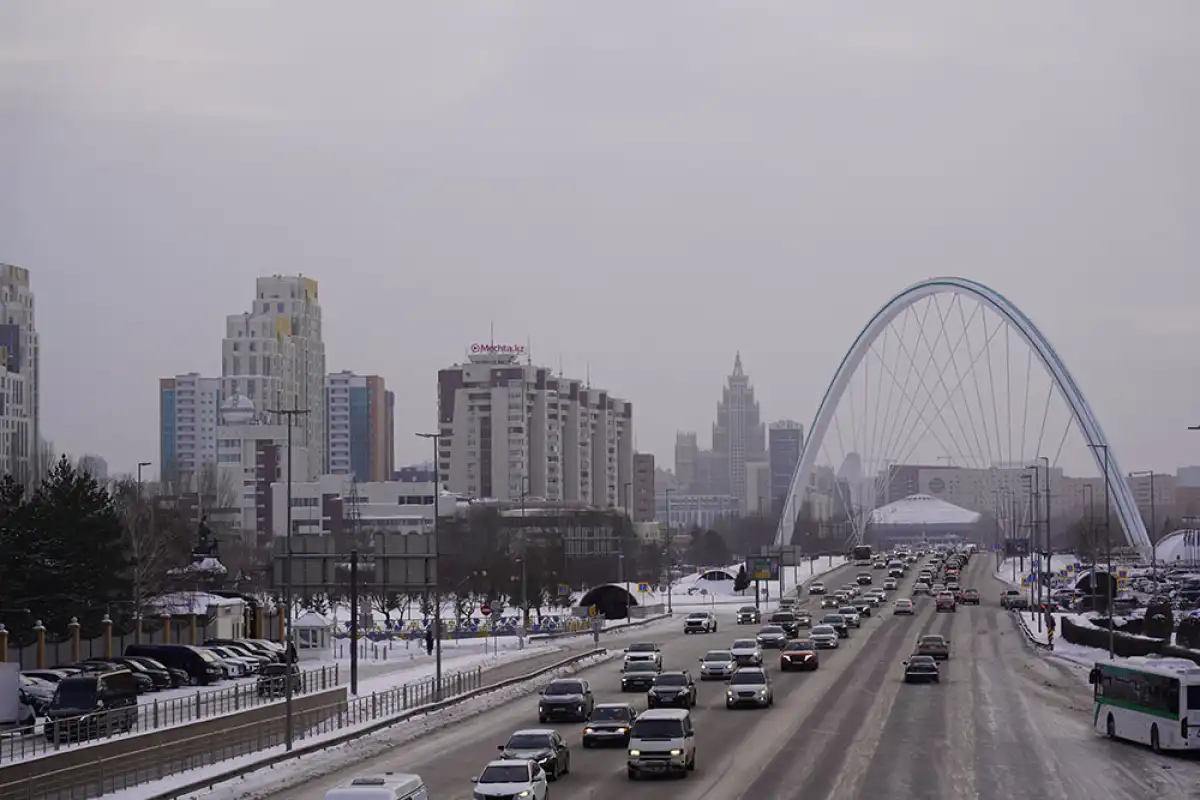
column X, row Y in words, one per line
column 474, row 779
column 500, row 747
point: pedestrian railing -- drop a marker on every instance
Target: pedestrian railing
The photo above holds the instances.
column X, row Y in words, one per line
column 110, row 774
column 153, row 714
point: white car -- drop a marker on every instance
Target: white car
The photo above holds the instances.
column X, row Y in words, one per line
column 903, row 606
column 824, row 637
column 510, row 777
column 816, row 588
column 644, row 651
column 853, row 618
column 700, row 622
column 920, row 587
column 890, row 584
column 746, row 652
column 717, row 665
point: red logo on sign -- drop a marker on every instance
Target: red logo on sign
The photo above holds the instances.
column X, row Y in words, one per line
column 485, row 610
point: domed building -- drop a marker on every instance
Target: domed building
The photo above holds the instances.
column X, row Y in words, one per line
column 238, row 410
column 921, row 518
column 1181, row 547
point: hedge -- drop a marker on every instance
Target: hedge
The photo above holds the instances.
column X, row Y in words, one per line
column 1124, row 644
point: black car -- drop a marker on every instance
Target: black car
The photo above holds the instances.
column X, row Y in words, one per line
column 609, row 724
column 546, row 747
column 748, row 615
column 567, row 698
column 271, row 680
column 800, row 654
column 638, row 676
column 921, row 669
column 672, row 689
column 786, row 620
column 863, row 606
column 839, row 624
column 158, row 673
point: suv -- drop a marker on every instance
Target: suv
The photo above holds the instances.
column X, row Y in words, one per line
column 1014, row 599
column 864, row 579
column 945, row 602
column 750, row 686
column 662, row 741
column 672, row 689
column 786, row 620
column 817, row 587
column 700, row 622
column 748, row 615
column 92, row 704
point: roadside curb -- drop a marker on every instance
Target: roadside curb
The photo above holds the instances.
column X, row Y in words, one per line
column 316, row 747
column 1029, row 637
column 544, row 637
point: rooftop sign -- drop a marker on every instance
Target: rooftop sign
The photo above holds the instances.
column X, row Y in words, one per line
column 495, row 353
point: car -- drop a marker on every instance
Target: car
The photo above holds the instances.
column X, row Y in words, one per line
column 566, row 698
column 853, row 618
column 954, row 589
column 674, row 688
column 392, row 785
column 749, row 686
column 969, row 597
column 921, row 669
column 816, row 587
column 661, row 741
column 864, row 605
column 748, row 615
column 838, row 622
column 35, row 693
column 717, row 665
column 933, row 645
column 1013, row 598
column 925, row 576
column 937, row 589
column 803, row 619
column 864, row 579
column 638, row 676
column 644, row 651
column 851, row 590
column 746, row 652
column 511, row 778
column 786, row 620
column 700, row 622
column 272, row 681
column 945, row 602
column 891, row 584
column 902, row 606
column 772, row 637
column 609, row 724
column 825, row 637
column 799, row 654
column 920, row 587
column 830, row 601
column 544, row 746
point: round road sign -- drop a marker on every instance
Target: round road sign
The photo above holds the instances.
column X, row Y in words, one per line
column 485, row 610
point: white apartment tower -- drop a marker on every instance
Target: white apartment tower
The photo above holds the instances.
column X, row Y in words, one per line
column 19, row 387
column 509, row 429
column 189, row 412
column 275, row 356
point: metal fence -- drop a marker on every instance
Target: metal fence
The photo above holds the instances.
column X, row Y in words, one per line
column 112, row 774
column 154, row 713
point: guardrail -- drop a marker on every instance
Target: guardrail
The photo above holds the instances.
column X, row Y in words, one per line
column 366, row 729
column 154, row 714
column 541, row 637
column 1024, row 626
column 171, row 756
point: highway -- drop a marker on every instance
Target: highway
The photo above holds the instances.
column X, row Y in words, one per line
column 1005, row 723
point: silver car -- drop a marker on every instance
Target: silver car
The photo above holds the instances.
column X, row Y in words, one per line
column 746, row 652
column 772, row 636
column 824, row 637
column 717, row 665
column 891, row 584
column 749, row 686
column 853, row 618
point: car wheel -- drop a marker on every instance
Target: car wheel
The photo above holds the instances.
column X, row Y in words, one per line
column 552, row 774
column 1110, row 727
column 541, row 719
column 586, row 744
column 1155, row 746
column 633, row 775
column 567, row 765
column 692, row 764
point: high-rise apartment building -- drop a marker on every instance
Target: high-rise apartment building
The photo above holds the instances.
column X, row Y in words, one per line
column 739, row 434
column 785, row 440
column 509, row 429
column 189, row 412
column 275, row 356
column 20, row 434
column 643, row 487
column 360, row 423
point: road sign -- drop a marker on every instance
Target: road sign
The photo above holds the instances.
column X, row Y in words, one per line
column 485, row 610
column 564, row 590
column 644, row 588
column 591, row 611
column 762, row 569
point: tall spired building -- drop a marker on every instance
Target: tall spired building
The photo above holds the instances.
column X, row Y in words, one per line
column 739, row 435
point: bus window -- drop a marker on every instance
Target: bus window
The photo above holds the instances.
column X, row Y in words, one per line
column 1193, row 698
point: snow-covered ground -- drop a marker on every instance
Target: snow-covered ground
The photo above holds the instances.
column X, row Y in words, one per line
column 1010, row 572
column 694, row 591
column 337, row 757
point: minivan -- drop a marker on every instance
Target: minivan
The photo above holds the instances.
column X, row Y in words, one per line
column 201, row 667
column 91, row 704
column 662, row 741
column 390, row 786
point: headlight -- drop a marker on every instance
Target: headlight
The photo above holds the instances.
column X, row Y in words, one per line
column 621, row 730
column 729, row 692
column 525, row 793
column 635, row 753
column 762, row 692
column 676, row 752
column 589, row 730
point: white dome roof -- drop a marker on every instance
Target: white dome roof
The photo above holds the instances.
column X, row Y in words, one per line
column 923, row 509
column 237, row 408
column 1180, row 546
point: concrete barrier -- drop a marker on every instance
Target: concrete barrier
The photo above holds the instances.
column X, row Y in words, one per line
column 84, row 772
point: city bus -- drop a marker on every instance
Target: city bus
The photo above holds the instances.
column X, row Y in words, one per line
column 861, row 555
column 1153, row 701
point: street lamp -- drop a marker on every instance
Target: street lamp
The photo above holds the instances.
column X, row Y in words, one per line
column 437, row 567
column 136, row 539
column 289, row 731
column 628, row 515
column 1108, row 549
column 1043, row 568
column 670, row 554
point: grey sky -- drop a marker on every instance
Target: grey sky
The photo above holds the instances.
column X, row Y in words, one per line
column 644, row 187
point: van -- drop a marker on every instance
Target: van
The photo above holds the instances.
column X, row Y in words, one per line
column 201, row 666
column 92, row 704
column 389, row 786
column 661, row 741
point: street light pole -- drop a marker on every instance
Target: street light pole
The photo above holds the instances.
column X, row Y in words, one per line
column 289, row 723
column 628, row 515
column 1108, row 551
column 1091, row 497
column 1043, row 568
column 670, row 555
column 437, row 568
column 136, row 540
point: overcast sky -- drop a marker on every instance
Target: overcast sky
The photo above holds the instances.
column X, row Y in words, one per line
column 639, row 187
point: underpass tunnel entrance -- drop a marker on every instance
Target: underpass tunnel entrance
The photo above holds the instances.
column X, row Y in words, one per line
column 611, row 601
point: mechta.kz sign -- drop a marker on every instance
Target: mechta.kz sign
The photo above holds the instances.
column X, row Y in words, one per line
column 479, row 349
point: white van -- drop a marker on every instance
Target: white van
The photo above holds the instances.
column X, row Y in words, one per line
column 389, row 786
column 661, row 741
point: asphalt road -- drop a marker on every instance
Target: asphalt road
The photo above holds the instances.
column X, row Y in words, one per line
column 1005, row 723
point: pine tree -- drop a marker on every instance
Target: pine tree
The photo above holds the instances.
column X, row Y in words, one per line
column 15, row 541
column 741, row 581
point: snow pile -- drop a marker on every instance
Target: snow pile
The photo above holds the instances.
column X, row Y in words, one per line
column 269, row 782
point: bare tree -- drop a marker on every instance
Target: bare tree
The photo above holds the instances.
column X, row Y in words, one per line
column 159, row 539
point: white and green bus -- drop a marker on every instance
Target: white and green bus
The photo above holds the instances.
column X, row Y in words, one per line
column 1154, row 701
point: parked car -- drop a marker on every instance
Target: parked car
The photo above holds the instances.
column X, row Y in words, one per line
column 271, row 681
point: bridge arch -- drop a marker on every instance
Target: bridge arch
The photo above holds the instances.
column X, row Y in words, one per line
column 1106, row 461
column 612, row 601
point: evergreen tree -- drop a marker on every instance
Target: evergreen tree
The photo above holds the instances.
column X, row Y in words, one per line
column 79, row 562
column 741, row 581
column 15, row 542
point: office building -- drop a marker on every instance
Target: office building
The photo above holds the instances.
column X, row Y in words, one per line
column 785, row 440
column 643, row 487
column 510, row 429
column 361, row 427
column 94, row 465
column 334, row 505
column 739, row 434
column 275, row 356
column 20, row 433
column 188, row 408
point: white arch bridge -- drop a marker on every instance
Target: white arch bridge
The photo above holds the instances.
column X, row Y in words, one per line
column 907, row 409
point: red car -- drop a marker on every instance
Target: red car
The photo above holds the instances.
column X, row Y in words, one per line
column 945, row 602
column 970, row 596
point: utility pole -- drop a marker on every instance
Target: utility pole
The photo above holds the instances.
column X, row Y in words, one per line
column 437, row 568
column 669, row 554
column 137, row 556
column 628, row 486
column 1108, row 550
column 1091, row 496
column 355, row 519
column 289, row 722
column 1044, row 558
